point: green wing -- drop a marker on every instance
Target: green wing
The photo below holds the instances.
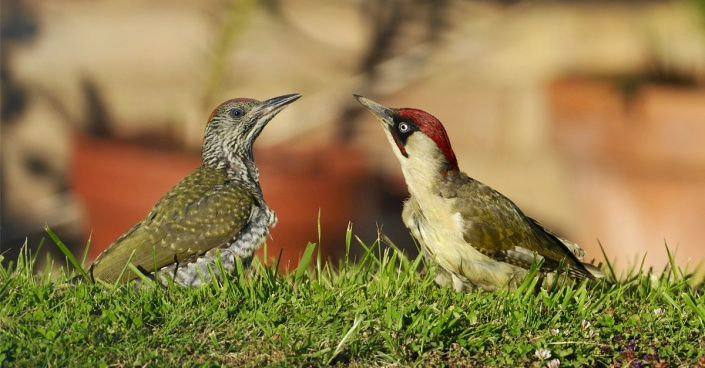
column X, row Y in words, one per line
column 203, row 211
column 496, row 227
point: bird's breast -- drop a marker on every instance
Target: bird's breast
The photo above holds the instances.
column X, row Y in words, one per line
column 432, row 220
column 439, row 229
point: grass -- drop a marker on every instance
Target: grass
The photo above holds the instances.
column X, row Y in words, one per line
column 377, row 311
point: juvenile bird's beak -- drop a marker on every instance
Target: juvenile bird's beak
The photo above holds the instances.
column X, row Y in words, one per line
column 274, row 105
column 384, row 114
column 268, row 110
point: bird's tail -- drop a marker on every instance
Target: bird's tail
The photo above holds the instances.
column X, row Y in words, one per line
column 579, row 253
column 596, row 272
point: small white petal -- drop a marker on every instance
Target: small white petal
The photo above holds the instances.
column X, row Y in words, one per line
column 542, row 353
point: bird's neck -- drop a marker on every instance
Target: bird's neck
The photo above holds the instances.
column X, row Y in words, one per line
column 422, row 176
column 238, row 163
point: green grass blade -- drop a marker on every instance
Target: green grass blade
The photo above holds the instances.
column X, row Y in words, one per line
column 124, row 268
column 144, row 278
column 348, row 241
column 607, row 260
column 65, row 250
column 698, row 310
column 318, row 258
column 86, row 249
column 348, row 336
column 305, row 262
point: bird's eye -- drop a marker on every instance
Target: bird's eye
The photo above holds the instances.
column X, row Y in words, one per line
column 404, row 127
column 236, row 113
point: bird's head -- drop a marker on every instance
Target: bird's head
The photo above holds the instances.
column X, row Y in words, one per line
column 418, row 139
column 234, row 125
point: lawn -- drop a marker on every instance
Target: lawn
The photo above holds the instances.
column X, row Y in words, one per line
column 377, row 311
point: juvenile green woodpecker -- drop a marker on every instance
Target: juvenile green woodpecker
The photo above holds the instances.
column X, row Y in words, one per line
column 216, row 209
column 478, row 238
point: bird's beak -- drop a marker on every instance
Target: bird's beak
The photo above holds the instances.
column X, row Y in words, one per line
column 268, row 110
column 384, row 114
column 274, row 105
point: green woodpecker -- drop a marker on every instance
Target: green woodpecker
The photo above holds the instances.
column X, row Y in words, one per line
column 216, row 209
column 478, row 238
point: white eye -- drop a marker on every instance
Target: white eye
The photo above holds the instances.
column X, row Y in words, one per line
column 404, row 127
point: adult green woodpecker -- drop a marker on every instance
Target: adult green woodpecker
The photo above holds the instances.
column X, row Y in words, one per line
column 216, row 209
column 478, row 238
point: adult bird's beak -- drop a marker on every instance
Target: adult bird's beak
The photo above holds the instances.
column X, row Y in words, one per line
column 384, row 114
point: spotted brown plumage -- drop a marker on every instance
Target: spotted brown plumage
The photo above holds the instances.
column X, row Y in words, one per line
column 477, row 237
column 216, row 209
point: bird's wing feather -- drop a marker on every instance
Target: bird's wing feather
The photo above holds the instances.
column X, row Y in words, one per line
column 496, row 227
column 201, row 212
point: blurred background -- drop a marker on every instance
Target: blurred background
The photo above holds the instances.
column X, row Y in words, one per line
column 590, row 115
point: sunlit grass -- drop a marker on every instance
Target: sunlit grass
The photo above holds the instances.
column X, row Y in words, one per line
column 377, row 310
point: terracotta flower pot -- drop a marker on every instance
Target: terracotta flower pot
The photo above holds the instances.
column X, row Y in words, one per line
column 297, row 183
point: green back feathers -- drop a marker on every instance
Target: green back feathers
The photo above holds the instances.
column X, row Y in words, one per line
column 203, row 211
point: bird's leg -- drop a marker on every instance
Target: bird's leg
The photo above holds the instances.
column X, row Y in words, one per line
column 144, row 272
column 458, row 284
column 176, row 266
